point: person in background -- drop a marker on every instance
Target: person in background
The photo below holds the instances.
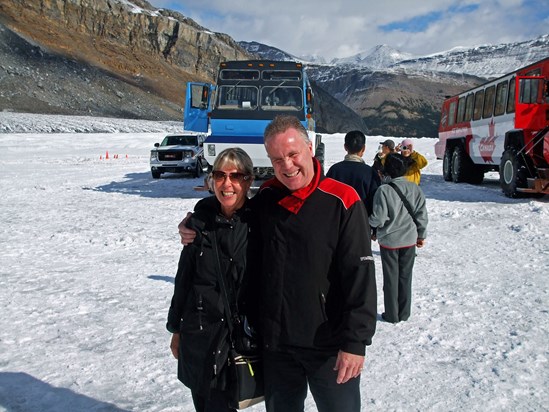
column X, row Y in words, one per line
column 416, row 161
column 200, row 341
column 398, row 236
column 386, row 147
column 354, row 172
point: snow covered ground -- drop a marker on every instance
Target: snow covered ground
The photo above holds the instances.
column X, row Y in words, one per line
column 89, row 249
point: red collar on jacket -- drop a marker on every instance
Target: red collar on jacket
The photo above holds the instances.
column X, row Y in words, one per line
column 293, row 201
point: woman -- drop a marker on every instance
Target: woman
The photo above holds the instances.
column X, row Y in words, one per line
column 200, row 339
column 398, row 236
column 416, row 161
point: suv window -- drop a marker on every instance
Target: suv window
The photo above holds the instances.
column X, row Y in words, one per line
column 180, row 140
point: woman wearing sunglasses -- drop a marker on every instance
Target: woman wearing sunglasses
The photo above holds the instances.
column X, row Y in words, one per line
column 200, row 335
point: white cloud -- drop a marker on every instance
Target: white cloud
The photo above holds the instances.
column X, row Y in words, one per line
column 340, row 29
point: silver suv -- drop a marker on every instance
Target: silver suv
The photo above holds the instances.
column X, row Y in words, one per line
column 179, row 153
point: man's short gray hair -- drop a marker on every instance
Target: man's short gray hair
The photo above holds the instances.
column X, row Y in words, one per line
column 281, row 124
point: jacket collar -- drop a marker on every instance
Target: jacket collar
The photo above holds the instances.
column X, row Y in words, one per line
column 354, row 158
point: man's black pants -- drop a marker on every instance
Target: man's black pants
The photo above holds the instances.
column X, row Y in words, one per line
column 288, row 372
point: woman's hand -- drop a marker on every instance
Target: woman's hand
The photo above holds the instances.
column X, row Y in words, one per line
column 174, row 345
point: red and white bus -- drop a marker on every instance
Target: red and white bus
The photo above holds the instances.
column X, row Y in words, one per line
column 502, row 125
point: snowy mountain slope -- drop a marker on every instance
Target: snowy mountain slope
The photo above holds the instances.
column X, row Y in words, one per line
column 484, row 61
column 380, row 57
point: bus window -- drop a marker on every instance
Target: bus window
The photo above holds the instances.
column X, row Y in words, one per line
column 199, row 96
column 237, row 97
column 228, row 74
column 479, row 99
column 452, row 113
column 511, row 99
column 535, row 72
column 281, row 98
column 501, row 97
column 281, row 75
column 489, row 97
column 443, row 117
column 469, row 107
column 461, row 110
column 530, row 90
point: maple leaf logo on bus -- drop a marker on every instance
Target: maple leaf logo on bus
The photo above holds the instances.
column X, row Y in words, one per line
column 488, row 144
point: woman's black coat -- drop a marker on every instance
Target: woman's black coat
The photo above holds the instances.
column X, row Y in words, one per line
column 197, row 310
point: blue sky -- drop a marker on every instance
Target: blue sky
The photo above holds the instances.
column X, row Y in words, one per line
column 347, row 27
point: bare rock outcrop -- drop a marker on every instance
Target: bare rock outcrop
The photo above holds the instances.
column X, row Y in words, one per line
column 154, row 49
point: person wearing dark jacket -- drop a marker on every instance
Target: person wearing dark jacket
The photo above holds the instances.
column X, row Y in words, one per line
column 354, row 171
column 316, row 283
column 200, row 340
column 385, row 147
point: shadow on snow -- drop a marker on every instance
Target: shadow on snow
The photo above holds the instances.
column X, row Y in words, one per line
column 169, row 279
column 142, row 184
column 182, row 187
column 435, row 187
column 23, row 392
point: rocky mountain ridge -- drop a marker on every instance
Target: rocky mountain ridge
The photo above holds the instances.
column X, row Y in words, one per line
column 128, row 59
column 142, row 46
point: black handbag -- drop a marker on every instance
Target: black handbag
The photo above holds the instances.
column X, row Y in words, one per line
column 245, row 362
column 246, row 380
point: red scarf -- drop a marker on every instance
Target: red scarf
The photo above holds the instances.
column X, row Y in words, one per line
column 296, row 199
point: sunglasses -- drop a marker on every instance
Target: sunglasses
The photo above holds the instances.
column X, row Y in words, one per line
column 220, row 176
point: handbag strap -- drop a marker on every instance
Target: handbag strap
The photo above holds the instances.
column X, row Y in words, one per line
column 405, row 201
column 223, row 287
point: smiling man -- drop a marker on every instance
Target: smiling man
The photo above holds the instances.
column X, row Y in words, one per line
column 315, row 279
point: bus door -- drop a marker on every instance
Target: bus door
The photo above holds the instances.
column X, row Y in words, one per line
column 531, row 103
column 197, row 105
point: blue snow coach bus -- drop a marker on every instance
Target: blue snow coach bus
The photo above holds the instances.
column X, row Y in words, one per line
column 247, row 96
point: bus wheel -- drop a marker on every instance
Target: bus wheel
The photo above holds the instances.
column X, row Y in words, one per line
column 511, row 173
column 458, row 165
column 447, row 165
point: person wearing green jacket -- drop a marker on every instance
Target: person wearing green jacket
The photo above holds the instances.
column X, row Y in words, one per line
column 398, row 236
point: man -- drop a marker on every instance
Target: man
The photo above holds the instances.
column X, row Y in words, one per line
column 416, row 161
column 354, row 172
column 314, row 278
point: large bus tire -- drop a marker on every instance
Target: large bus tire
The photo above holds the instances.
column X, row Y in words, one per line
column 447, row 165
column 511, row 173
